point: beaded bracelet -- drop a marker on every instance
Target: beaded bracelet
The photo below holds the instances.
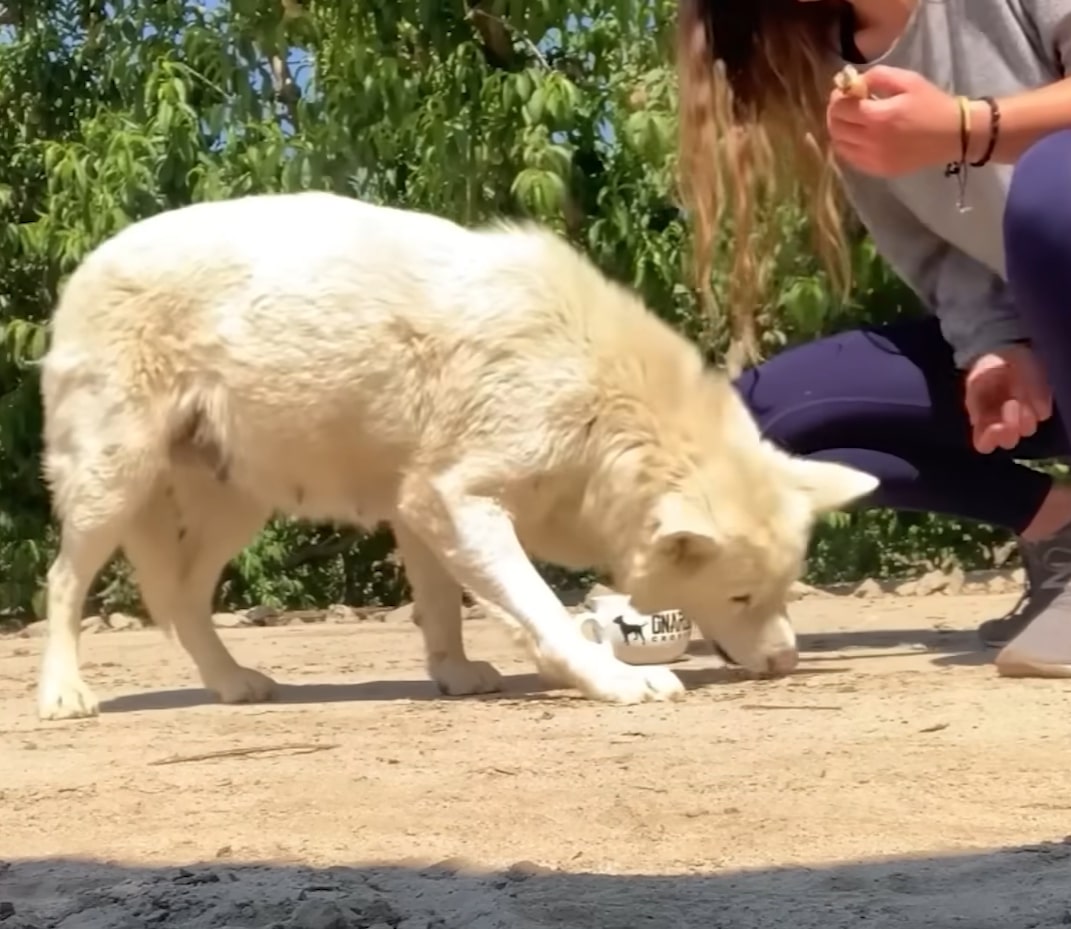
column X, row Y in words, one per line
column 994, row 132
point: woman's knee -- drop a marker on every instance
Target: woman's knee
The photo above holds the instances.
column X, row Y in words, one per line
column 1037, row 216
column 853, row 387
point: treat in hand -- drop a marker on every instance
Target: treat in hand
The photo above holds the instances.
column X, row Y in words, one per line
column 851, row 82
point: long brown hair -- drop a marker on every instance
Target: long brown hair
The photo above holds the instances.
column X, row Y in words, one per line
column 754, row 79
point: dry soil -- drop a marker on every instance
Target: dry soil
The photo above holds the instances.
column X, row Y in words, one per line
column 894, row 781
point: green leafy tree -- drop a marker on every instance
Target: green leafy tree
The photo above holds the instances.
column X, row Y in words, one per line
column 559, row 110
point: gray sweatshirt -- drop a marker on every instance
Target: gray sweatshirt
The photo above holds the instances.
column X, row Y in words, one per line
column 953, row 260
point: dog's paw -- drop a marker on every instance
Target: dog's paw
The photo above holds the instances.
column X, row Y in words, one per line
column 242, row 685
column 65, row 697
column 458, row 677
column 613, row 681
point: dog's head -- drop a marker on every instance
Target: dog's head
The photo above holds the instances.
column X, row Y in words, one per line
column 726, row 547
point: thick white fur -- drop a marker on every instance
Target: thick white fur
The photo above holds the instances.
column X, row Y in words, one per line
column 488, row 392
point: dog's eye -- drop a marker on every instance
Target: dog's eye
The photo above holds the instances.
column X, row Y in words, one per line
column 744, row 599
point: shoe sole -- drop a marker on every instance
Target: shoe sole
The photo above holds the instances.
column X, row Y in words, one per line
column 1013, row 665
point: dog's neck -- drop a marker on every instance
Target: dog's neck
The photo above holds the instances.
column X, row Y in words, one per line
column 619, row 501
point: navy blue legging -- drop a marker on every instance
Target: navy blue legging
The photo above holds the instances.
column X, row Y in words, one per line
column 889, row 400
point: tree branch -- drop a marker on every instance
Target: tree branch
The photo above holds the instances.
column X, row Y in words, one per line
column 498, row 37
column 283, row 85
column 286, row 91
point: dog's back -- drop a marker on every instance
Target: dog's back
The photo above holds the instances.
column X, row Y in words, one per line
column 317, row 339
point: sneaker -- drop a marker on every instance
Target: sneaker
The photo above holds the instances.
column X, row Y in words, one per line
column 1039, row 644
column 996, row 633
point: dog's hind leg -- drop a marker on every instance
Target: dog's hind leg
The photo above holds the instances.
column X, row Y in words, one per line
column 178, row 544
column 437, row 611
column 479, row 546
column 85, row 548
column 98, row 463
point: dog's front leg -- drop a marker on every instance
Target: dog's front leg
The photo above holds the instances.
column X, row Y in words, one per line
column 476, row 541
column 437, row 611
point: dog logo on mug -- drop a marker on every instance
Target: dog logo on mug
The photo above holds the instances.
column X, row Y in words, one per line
column 663, row 627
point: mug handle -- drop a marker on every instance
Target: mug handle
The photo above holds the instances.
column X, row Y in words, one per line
column 591, row 628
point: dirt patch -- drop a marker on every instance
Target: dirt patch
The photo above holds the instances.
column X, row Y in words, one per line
column 362, row 799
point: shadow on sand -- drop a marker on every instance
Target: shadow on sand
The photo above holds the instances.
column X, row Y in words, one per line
column 1019, row 888
column 516, row 687
column 948, row 647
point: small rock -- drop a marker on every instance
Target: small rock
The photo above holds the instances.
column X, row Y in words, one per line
column 320, row 914
column 1003, row 552
column 228, row 620
column 1018, row 577
column 7, row 908
column 303, row 616
column 957, row 580
column 122, row 622
column 340, row 613
column 802, row 591
column 998, row 585
column 262, row 615
column 976, row 582
column 932, row 582
column 94, row 624
column 868, row 588
column 906, row 589
column 34, row 630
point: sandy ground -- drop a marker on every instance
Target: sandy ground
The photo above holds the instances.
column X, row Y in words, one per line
column 894, row 781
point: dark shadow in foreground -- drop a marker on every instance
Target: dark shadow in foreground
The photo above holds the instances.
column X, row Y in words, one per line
column 1020, row 888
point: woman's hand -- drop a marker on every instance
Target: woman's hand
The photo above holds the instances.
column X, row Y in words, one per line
column 1006, row 394
column 912, row 125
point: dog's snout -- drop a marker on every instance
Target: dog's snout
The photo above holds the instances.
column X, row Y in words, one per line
column 782, row 661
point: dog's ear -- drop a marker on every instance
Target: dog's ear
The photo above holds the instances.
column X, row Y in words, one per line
column 826, row 485
column 683, row 534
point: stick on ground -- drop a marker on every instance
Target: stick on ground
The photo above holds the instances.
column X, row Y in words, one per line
column 292, row 748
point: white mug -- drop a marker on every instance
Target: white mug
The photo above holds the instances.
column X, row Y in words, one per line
column 636, row 638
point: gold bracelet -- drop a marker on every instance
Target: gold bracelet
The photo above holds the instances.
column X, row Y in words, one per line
column 964, row 128
column 958, row 169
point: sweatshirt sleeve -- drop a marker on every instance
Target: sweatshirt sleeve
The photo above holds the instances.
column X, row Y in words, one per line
column 1052, row 19
column 971, row 302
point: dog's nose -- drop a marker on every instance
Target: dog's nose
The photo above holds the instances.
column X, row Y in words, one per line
column 782, row 661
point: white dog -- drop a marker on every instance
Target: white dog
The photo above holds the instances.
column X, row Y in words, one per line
column 488, row 392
